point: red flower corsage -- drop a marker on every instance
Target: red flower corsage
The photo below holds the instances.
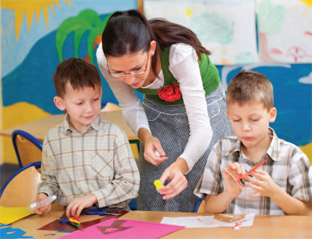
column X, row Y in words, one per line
column 170, row 93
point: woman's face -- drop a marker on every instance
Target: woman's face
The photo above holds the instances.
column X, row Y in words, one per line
column 133, row 69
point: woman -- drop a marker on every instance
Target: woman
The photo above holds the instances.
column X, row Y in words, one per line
column 167, row 63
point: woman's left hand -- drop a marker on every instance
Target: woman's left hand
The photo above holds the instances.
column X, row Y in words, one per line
column 175, row 173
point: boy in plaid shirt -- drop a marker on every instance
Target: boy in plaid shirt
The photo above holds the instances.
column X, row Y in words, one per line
column 282, row 185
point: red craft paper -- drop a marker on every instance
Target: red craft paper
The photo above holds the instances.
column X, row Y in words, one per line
column 130, row 229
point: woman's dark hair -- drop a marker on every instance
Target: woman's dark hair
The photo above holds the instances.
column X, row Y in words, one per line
column 129, row 32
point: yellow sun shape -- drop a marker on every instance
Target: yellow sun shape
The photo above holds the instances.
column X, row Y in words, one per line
column 306, row 2
column 29, row 8
column 188, row 12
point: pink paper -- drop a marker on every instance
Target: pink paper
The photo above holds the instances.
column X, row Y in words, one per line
column 119, row 228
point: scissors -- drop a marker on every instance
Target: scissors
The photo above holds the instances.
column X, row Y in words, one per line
column 239, row 179
column 97, row 211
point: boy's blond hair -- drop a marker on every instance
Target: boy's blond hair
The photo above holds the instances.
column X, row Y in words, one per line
column 78, row 72
column 250, row 87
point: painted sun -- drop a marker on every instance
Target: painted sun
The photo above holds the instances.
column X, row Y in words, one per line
column 21, row 7
column 308, row 4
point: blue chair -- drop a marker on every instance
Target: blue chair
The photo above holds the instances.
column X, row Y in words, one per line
column 198, row 204
column 27, row 148
column 109, row 106
column 20, row 190
column 133, row 204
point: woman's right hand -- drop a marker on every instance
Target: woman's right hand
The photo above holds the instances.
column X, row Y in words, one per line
column 153, row 152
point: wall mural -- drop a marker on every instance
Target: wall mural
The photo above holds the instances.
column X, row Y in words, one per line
column 35, row 37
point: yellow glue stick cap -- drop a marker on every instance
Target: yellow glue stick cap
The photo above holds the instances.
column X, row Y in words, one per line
column 158, row 184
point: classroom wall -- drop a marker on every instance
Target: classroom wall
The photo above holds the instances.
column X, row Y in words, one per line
column 36, row 36
column 273, row 37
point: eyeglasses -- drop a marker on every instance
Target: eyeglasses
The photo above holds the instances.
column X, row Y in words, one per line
column 132, row 73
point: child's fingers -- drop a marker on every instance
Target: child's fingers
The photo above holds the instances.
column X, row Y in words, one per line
column 38, row 212
column 254, row 195
column 232, row 166
column 253, row 184
column 43, row 209
column 71, row 210
column 46, row 208
column 79, row 209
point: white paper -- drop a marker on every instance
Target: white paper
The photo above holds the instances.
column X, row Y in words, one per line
column 285, row 30
column 224, row 27
column 218, row 220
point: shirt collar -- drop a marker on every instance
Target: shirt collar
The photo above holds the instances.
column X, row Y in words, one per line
column 235, row 148
column 94, row 125
column 273, row 150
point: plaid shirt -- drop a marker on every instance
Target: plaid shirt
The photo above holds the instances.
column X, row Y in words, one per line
column 287, row 165
column 98, row 160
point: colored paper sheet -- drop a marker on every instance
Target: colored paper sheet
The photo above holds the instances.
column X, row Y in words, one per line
column 56, row 225
column 119, row 228
column 218, row 220
column 12, row 214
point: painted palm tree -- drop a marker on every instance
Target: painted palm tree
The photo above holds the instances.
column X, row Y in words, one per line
column 87, row 20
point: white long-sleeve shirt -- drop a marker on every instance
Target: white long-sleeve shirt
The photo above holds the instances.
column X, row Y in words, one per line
column 184, row 67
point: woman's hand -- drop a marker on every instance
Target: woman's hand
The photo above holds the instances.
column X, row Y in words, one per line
column 45, row 208
column 153, row 152
column 175, row 173
column 76, row 205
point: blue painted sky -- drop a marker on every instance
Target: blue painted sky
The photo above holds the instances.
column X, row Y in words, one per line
column 14, row 52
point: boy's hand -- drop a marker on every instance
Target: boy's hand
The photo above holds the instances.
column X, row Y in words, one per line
column 235, row 169
column 232, row 187
column 262, row 183
column 76, row 205
column 45, row 208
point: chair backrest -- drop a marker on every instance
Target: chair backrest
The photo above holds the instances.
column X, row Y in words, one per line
column 108, row 106
column 21, row 188
column 133, row 204
column 28, row 149
column 198, row 205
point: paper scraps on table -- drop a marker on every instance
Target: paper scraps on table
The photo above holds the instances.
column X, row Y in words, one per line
column 218, row 220
column 119, row 228
column 12, row 214
column 57, row 226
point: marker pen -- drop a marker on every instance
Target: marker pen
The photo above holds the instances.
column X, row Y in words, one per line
column 41, row 203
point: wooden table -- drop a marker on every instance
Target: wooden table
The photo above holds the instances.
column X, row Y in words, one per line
column 39, row 128
column 263, row 226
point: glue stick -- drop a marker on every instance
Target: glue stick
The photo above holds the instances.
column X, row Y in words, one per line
column 41, row 203
column 158, row 184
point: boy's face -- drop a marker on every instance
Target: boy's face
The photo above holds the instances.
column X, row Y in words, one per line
column 82, row 105
column 250, row 123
